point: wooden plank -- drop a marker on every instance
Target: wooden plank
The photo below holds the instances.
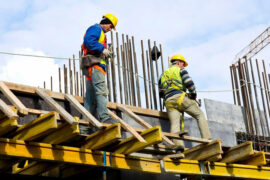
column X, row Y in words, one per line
column 7, row 125
column 143, row 123
column 257, row 159
column 37, row 128
column 60, row 96
column 56, row 106
column 83, row 111
column 130, row 145
column 13, row 99
column 128, row 128
column 104, row 137
column 7, row 110
column 204, row 151
column 238, row 153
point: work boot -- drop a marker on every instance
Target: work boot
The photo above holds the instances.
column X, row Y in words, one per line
column 111, row 121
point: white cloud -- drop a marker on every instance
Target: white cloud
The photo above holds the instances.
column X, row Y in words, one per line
column 31, row 71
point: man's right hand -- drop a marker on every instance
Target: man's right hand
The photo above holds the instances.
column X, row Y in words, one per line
column 106, row 52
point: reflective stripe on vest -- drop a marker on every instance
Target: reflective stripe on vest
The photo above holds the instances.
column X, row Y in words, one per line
column 171, row 79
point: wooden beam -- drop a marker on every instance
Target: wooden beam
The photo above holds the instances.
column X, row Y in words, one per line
column 37, row 128
column 104, row 137
column 143, row 123
column 204, row 151
column 127, row 127
column 238, row 153
column 7, row 110
column 83, row 111
column 130, row 145
column 13, row 99
column 56, row 106
column 61, row 96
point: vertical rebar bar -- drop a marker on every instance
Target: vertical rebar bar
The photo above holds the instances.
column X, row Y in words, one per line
column 124, row 74
column 131, row 72
column 262, row 94
column 243, row 95
column 118, row 67
column 152, row 75
column 136, row 73
column 250, row 97
column 108, row 78
column 161, row 56
column 70, row 77
column 144, row 76
column 128, row 74
column 247, row 98
column 75, row 80
column 114, row 87
column 159, row 99
column 233, row 89
column 149, row 79
column 266, row 96
column 256, row 98
column 59, row 72
column 51, row 83
column 236, row 85
column 65, row 79
column 267, row 93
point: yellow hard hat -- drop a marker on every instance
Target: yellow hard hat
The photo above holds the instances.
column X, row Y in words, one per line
column 112, row 18
column 180, row 58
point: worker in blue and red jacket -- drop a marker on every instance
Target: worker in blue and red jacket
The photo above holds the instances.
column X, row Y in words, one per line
column 95, row 43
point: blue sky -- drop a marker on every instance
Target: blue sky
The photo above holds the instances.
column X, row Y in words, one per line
column 207, row 33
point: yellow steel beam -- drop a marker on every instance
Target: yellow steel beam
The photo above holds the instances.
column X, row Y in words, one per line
column 56, row 153
column 103, row 137
column 72, row 155
column 130, row 145
column 37, row 128
column 8, row 124
column 257, row 159
column 204, row 151
column 215, row 169
column 62, row 133
column 238, row 153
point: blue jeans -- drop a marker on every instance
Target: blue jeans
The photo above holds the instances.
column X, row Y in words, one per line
column 96, row 95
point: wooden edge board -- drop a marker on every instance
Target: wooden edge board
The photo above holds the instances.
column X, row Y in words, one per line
column 142, row 122
column 31, row 90
column 12, row 98
column 127, row 127
column 83, row 111
column 56, row 106
column 7, row 110
column 131, row 144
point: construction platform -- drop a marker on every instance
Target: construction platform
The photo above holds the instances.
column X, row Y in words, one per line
column 43, row 136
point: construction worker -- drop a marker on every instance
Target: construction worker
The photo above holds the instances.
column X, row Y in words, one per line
column 172, row 86
column 95, row 43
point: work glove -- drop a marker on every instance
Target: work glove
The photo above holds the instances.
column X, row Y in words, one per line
column 193, row 96
column 107, row 52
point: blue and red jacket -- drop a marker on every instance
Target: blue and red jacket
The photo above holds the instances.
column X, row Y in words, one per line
column 94, row 42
